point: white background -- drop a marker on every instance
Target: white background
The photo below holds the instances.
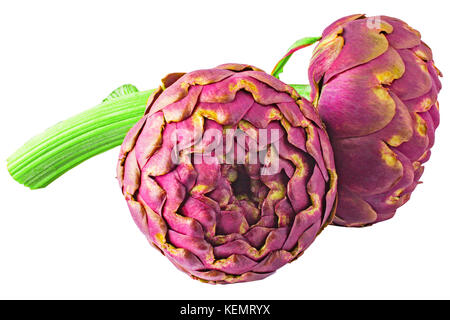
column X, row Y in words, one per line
column 76, row 239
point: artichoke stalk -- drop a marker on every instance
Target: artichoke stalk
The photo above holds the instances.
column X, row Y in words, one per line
column 375, row 86
column 63, row 146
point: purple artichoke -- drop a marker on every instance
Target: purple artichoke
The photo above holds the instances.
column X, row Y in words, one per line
column 375, row 85
column 218, row 220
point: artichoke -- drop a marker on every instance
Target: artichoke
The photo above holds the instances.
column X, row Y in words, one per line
column 375, row 85
column 222, row 217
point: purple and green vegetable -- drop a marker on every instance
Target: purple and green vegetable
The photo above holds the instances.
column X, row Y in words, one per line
column 231, row 173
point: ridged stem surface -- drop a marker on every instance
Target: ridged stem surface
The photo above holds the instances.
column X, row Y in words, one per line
column 63, row 146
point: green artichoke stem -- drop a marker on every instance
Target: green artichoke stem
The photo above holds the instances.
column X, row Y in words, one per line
column 303, row 89
column 63, row 146
column 297, row 45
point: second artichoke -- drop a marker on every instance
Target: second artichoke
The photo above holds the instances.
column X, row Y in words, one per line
column 375, row 85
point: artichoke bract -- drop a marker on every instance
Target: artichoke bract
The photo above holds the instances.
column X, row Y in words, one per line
column 375, row 86
column 230, row 173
